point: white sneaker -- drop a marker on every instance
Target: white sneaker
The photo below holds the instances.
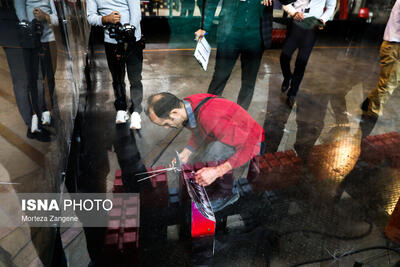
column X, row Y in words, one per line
column 35, row 124
column 135, row 121
column 46, row 118
column 122, row 117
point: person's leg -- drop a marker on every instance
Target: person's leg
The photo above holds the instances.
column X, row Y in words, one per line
column 225, row 61
column 47, row 60
column 19, row 78
column 221, row 192
column 216, row 151
column 134, row 63
column 310, row 122
column 190, row 8
column 31, row 60
column 250, row 59
column 389, row 78
column 114, row 55
column 199, row 4
column 191, row 11
column 290, row 45
column 184, row 9
column 306, row 45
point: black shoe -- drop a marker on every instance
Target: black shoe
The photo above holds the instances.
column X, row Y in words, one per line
column 285, row 85
column 367, row 124
column 42, row 135
column 290, row 101
column 365, row 105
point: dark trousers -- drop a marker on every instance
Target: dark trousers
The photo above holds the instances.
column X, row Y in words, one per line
column 132, row 57
column 187, row 8
column 31, row 61
column 304, row 40
column 15, row 59
column 41, row 57
column 248, row 45
column 48, row 63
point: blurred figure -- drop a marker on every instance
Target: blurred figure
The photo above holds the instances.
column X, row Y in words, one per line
column 187, row 8
column 38, row 47
column 239, row 33
column 308, row 18
column 389, row 78
column 123, row 47
column 177, row 5
column 9, row 40
column 199, row 4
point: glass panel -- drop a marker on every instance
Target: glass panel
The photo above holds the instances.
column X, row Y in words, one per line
column 281, row 150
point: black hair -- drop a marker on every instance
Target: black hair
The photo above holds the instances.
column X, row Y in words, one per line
column 163, row 103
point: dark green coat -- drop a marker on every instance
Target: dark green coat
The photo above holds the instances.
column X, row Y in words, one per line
column 228, row 15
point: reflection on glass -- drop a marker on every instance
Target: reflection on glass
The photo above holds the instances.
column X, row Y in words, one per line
column 37, row 59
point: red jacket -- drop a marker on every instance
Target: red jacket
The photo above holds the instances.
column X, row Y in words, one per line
column 223, row 120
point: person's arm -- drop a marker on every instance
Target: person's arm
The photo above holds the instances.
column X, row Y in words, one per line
column 329, row 10
column 53, row 18
column 209, row 14
column 93, row 16
column 20, row 10
column 293, row 12
column 134, row 13
column 289, row 9
column 185, row 154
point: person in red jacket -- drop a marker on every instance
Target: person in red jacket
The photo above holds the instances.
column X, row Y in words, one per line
column 221, row 127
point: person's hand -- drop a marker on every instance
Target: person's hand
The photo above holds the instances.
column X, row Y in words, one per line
column 184, row 157
column 299, row 16
column 321, row 27
column 207, row 175
column 199, row 34
column 113, row 18
column 40, row 15
column 267, row 2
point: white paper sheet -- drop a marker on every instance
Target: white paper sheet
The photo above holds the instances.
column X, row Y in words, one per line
column 202, row 53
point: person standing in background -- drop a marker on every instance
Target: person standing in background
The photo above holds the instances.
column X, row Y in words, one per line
column 239, row 34
column 389, row 78
column 308, row 17
column 119, row 55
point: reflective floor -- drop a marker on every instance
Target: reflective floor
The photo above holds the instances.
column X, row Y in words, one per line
column 341, row 203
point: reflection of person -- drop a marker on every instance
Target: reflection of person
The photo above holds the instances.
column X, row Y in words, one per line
column 100, row 12
column 187, row 8
column 199, row 4
column 308, row 17
column 24, row 64
column 217, row 124
column 389, row 78
column 43, row 12
column 238, row 34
